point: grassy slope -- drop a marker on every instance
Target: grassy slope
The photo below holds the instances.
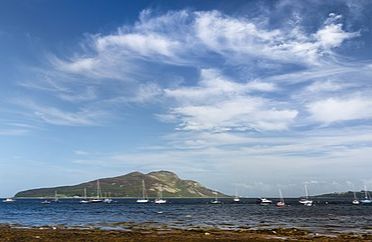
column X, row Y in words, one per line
column 130, row 185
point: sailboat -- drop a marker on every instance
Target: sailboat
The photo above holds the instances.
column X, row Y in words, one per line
column 160, row 199
column 281, row 203
column 367, row 199
column 144, row 198
column 216, row 201
column 46, row 202
column 108, row 198
column 98, row 198
column 85, row 199
column 306, row 201
column 8, row 200
column 236, row 198
column 355, row 201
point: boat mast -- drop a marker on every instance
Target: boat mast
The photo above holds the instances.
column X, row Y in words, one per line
column 281, row 196
column 98, row 189
column 365, row 192
column 143, row 190
column 306, row 192
column 161, row 193
column 85, row 193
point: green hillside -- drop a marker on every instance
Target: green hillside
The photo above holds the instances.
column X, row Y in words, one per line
column 129, row 185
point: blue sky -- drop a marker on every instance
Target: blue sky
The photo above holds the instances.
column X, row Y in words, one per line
column 247, row 95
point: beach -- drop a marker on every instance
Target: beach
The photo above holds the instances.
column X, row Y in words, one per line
column 10, row 233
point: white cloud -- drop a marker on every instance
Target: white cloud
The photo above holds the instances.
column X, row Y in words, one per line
column 147, row 45
column 332, row 35
column 221, row 105
column 336, row 109
column 133, row 53
column 233, row 36
column 236, row 114
column 187, row 38
column 214, row 87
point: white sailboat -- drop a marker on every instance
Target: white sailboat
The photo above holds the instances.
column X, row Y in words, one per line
column 160, row 199
column 367, row 199
column 108, row 198
column 8, row 200
column 355, row 201
column 98, row 198
column 281, row 203
column 144, row 198
column 85, row 199
column 46, row 202
column 306, row 201
column 216, row 201
column 236, row 198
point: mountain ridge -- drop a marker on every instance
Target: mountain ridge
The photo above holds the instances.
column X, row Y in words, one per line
column 130, row 186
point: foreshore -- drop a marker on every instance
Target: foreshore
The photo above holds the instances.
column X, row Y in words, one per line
column 11, row 233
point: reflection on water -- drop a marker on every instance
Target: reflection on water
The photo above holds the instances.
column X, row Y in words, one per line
column 189, row 213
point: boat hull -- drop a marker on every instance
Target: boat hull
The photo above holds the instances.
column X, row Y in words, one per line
column 280, row 204
column 142, row 201
column 160, row 201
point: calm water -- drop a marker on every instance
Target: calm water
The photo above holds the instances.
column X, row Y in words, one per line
column 189, row 213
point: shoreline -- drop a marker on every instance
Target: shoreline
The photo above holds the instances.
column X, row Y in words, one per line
column 143, row 233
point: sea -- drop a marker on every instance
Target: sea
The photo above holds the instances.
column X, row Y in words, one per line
column 125, row 214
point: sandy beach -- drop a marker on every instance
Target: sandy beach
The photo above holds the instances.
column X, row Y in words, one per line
column 8, row 233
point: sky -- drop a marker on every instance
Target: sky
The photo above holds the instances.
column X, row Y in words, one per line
column 250, row 96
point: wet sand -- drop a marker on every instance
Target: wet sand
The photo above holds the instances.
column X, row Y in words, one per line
column 8, row 233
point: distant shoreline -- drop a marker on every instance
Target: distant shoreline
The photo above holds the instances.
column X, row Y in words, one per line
column 14, row 233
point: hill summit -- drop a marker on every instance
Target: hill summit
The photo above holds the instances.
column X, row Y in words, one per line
column 130, row 185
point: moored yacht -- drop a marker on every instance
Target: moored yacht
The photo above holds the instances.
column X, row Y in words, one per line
column 367, row 199
column 144, row 198
column 355, row 202
column 281, row 203
column 98, row 199
column 8, row 200
column 265, row 201
column 159, row 199
column 85, row 199
column 216, row 201
column 236, row 198
column 306, row 201
column 108, row 198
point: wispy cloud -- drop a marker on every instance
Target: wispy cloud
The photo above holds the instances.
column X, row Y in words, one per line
column 199, row 34
column 56, row 116
column 13, row 132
